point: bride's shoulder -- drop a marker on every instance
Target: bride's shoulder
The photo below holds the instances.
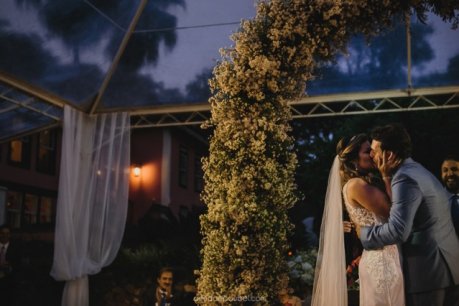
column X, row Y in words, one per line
column 356, row 183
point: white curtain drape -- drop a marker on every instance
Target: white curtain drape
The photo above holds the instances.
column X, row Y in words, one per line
column 92, row 200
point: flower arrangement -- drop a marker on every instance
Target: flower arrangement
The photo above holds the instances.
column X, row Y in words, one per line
column 301, row 267
column 352, row 274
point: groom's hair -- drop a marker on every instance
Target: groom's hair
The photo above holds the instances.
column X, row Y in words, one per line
column 393, row 137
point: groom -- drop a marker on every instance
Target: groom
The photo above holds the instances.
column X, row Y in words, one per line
column 419, row 221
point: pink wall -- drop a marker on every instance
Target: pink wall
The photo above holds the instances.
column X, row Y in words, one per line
column 146, row 151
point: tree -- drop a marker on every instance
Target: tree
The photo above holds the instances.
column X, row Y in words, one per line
column 82, row 26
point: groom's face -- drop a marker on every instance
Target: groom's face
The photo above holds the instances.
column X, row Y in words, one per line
column 376, row 152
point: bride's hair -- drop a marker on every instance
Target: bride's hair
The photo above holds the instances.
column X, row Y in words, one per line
column 348, row 149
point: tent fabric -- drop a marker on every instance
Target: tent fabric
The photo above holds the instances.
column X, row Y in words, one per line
column 92, row 199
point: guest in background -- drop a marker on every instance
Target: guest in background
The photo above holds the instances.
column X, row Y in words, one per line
column 450, row 178
column 9, row 264
column 161, row 294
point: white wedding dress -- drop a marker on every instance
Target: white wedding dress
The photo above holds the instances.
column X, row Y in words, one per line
column 380, row 274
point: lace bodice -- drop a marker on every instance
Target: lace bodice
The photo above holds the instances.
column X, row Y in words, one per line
column 359, row 214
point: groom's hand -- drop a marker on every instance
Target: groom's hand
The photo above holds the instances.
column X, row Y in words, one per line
column 388, row 163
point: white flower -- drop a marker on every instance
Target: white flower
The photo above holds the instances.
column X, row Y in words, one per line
column 306, row 278
column 302, row 266
column 306, row 266
column 294, row 274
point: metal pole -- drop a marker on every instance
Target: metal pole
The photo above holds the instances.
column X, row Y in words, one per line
column 118, row 55
column 408, row 50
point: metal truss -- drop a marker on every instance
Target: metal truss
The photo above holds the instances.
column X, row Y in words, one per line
column 178, row 115
column 433, row 98
column 17, row 96
column 377, row 102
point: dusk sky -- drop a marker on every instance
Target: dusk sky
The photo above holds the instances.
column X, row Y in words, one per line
column 165, row 62
column 203, row 44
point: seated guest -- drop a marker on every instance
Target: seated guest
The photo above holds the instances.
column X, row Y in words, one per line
column 9, row 264
column 161, row 294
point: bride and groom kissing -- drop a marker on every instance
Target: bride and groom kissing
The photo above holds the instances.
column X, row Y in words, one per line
column 411, row 250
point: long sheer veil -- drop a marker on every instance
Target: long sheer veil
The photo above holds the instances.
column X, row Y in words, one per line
column 330, row 275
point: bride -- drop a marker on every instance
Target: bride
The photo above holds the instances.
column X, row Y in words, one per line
column 380, row 274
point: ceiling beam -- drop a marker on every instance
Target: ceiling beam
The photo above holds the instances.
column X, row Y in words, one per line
column 432, row 98
column 117, row 57
column 33, row 91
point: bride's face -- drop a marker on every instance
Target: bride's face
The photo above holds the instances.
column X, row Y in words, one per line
column 365, row 162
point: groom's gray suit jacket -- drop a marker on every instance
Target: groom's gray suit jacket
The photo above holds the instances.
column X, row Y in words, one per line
column 421, row 222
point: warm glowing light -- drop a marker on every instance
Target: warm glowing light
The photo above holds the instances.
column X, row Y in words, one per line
column 136, row 171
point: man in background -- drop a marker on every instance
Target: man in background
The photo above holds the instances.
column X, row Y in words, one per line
column 161, row 294
column 9, row 264
column 450, row 177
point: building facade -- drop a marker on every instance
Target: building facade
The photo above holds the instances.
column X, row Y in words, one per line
column 169, row 160
column 29, row 179
column 169, row 174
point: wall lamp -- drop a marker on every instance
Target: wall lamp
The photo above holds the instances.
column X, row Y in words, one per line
column 136, row 169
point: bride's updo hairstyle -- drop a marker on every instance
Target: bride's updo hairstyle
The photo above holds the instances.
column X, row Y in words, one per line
column 347, row 150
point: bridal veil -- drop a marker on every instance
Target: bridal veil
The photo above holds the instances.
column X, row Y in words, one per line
column 330, row 275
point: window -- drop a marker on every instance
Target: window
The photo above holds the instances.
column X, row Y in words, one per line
column 46, row 210
column 3, row 202
column 198, row 174
column 30, row 209
column 14, row 207
column 46, row 152
column 19, row 152
column 27, row 209
column 183, row 167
